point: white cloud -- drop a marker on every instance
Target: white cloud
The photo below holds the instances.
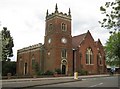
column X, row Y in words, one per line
column 26, row 19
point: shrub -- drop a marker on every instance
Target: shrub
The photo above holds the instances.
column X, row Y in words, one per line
column 8, row 67
column 58, row 71
column 39, row 73
column 48, row 73
column 83, row 72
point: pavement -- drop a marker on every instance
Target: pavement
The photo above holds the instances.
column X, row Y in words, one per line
column 31, row 82
column 53, row 78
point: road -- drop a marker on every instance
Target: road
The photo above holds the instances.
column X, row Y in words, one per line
column 109, row 81
column 91, row 82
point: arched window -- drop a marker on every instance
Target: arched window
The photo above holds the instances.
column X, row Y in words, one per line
column 64, row 53
column 64, row 27
column 100, row 58
column 21, row 63
column 89, row 56
column 50, row 27
column 33, row 62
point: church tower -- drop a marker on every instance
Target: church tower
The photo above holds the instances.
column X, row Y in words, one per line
column 58, row 42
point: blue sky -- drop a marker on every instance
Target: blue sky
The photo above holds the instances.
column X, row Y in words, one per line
column 26, row 19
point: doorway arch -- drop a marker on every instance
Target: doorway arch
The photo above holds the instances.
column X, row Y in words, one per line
column 64, row 66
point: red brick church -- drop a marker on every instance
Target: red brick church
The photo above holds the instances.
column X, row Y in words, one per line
column 61, row 50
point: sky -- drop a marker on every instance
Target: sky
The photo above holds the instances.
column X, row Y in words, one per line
column 26, row 19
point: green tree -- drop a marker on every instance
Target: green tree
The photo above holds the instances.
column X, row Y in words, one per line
column 7, row 44
column 8, row 67
column 113, row 49
column 35, row 67
column 111, row 21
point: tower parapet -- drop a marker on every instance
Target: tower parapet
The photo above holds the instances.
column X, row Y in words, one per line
column 59, row 14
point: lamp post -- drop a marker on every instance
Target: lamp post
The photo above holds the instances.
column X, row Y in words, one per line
column 74, row 50
column 74, row 60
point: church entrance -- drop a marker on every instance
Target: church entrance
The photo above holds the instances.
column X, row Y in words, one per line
column 63, row 69
column 64, row 66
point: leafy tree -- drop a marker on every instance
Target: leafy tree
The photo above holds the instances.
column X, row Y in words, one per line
column 8, row 67
column 35, row 67
column 7, row 44
column 111, row 10
column 113, row 49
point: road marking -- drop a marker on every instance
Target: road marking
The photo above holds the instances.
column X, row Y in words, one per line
column 90, row 79
column 84, row 79
column 96, row 85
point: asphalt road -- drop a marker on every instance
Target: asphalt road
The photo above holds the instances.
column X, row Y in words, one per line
column 112, row 81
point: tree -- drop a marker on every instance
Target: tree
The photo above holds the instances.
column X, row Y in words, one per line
column 7, row 44
column 111, row 10
column 113, row 49
column 8, row 67
column 35, row 67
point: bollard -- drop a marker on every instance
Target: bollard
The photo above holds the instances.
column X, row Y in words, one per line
column 76, row 75
column 9, row 75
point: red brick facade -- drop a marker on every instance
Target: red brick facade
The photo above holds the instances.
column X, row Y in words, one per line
column 83, row 42
column 62, row 51
column 25, row 57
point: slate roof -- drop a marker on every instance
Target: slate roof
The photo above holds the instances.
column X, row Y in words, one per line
column 77, row 40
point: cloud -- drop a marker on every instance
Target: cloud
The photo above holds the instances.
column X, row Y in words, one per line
column 26, row 19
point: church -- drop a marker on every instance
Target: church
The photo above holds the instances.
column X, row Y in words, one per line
column 61, row 50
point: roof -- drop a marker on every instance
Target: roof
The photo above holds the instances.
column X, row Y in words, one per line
column 77, row 40
column 35, row 46
column 98, row 43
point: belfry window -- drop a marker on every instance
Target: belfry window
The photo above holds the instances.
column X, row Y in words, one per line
column 89, row 56
column 64, row 53
column 50, row 27
column 64, row 27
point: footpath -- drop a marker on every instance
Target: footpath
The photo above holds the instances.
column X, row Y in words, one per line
column 54, row 78
column 31, row 82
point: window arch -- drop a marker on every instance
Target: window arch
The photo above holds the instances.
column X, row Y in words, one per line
column 64, row 27
column 100, row 58
column 89, row 56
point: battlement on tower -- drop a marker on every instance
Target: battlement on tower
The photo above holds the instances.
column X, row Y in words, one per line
column 59, row 14
column 63, row 15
